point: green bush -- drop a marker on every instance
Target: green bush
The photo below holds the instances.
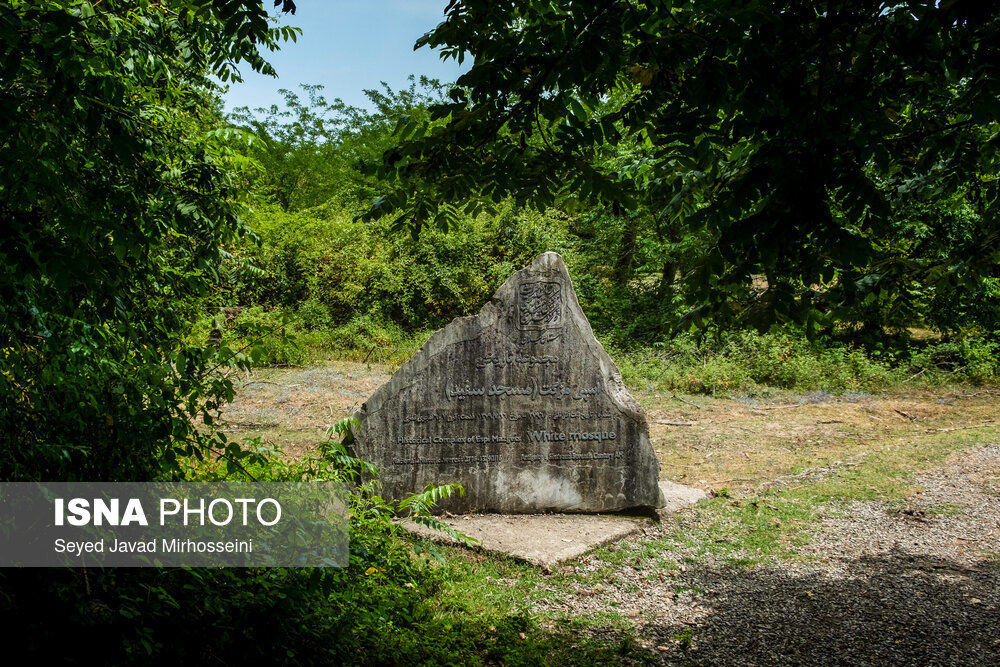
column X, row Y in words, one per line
column 970, row 360
column 331, row 269
column 385, row 607
column 787, row 359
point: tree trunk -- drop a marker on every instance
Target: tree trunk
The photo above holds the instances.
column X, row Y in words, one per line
column 671, row 265
column 626, row 253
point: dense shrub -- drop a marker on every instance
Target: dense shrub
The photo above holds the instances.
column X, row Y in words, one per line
column 785, row 358
column 385, row 607
column 330, row 269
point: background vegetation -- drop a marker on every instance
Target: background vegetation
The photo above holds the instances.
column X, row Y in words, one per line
column 326, row 278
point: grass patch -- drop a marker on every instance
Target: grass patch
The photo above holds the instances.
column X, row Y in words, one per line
column 747, row 531
column 944, row 509
column 485, row 584
column 887, row 474
column 755, row 528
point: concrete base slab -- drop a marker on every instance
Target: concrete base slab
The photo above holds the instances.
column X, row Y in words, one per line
column 549, row 539
column 542, row 539
column 677, row 496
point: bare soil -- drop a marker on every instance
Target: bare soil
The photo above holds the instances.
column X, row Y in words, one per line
column 905, row 569
column 736, row 442
column 293, row 407
column 745, row 443
column 878, row 583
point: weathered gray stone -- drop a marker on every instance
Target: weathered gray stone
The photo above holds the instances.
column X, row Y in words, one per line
column 520, row 404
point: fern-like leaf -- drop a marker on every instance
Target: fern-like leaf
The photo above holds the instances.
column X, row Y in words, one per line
column 437, row 524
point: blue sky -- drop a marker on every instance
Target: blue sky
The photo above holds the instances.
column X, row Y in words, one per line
column 347, row 46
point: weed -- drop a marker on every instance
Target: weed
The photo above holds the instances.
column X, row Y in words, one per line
column 684, row 638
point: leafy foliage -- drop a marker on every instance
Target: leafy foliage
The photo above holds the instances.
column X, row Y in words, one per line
column 383, row 605
column 312, row 151
column 749, row 361
column 328, row 272
column 117, row 189
column 797, row 138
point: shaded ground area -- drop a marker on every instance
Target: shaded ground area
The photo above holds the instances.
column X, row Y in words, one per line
column 892, row 608
column 877, row 583
column 852, row 529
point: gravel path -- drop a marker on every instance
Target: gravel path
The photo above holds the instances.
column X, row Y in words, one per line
column 918, row 585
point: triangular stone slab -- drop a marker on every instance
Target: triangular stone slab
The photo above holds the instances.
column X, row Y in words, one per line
column 520, row 404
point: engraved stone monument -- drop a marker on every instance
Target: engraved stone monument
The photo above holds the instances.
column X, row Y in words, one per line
column 520, row 404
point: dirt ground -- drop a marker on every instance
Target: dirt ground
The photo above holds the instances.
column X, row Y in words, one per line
column 844, row 529
column 293, row 407
column 742, row 443
column 877, row 583
column 736, row 442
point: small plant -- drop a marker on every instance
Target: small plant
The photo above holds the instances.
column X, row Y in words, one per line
column 418, row 507
column 684, row 638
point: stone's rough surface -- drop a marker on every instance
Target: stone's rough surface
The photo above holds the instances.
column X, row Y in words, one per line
column 542, row 539
column 520, row 404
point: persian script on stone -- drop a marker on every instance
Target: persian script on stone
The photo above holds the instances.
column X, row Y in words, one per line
column 520, row 404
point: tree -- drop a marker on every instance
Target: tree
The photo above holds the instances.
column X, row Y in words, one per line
column 314, row 150
column 117, row 188
column 794, row 135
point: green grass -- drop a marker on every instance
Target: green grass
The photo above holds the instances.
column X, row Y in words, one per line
column 744, row 530
column 748, row 531
column 762, row 527
column 944, row 509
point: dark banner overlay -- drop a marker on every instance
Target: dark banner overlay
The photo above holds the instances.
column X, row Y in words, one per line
column 173, row 524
